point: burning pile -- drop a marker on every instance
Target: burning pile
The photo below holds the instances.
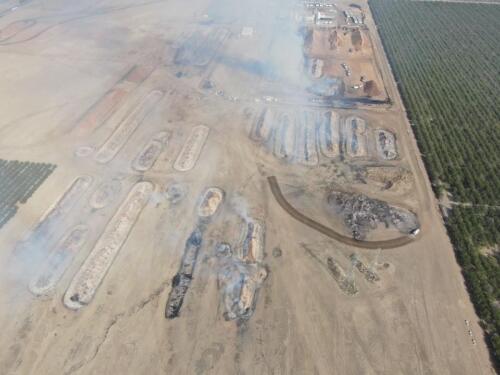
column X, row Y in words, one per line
column 182, row 279
column 241, row 275
column 210, row 201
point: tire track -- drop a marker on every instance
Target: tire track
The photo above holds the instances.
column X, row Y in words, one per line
column 386, row 244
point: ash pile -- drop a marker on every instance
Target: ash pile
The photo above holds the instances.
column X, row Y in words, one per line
column 241, row 274
column 210, row 202
column 362, row 214
column 182, row 279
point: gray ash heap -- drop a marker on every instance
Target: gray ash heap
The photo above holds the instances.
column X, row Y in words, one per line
column 362, row 214
column 182, row 279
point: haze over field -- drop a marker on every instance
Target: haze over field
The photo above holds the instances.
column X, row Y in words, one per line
column 217, row 187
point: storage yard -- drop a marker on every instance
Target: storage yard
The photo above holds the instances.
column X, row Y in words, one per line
column 226, row 188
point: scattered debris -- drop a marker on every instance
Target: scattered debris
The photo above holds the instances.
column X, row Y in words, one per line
column 345, row 281
column 369, row 274
column 389, row 178
column 362, row 214
column 346, row 284
column 346, row 68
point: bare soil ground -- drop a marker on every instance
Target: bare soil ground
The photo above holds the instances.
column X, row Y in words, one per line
column 115, row 94
column 351, row 46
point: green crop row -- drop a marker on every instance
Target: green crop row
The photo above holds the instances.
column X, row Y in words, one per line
column 445, row 59
column 18, row 181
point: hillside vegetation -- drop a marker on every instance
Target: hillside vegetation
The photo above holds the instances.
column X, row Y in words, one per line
column 445, row 58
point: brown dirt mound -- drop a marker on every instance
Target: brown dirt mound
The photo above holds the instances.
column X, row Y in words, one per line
column 371, row 89
column 356, row 40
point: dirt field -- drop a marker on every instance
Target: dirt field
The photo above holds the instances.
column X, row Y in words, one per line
column 157, row 245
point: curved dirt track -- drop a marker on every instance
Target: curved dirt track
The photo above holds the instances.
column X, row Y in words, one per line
column 387, row 244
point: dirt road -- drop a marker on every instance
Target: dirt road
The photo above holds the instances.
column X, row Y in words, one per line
column 387, row 244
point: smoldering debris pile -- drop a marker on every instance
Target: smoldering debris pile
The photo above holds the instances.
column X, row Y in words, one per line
column 239, row 283
column 182, row 279
column 174, row 193
column 241, row 274
column 362, row 214
column 210, row 201
column 252, row 250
